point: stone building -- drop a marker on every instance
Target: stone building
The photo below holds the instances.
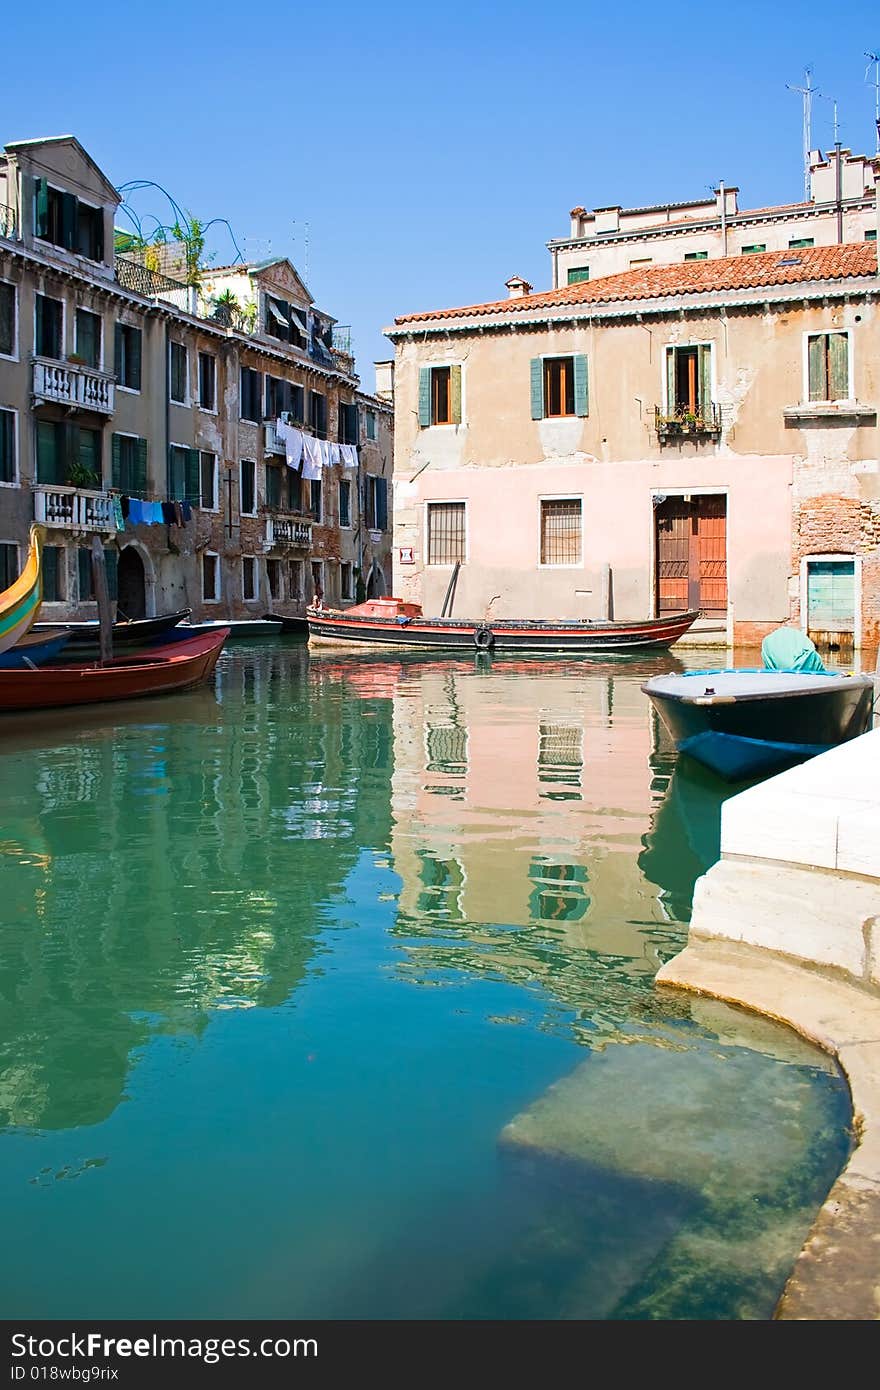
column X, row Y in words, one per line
column 124, row 391
column 696, row 435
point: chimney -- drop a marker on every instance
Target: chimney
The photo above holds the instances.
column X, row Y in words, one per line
column 517, row 287
column 385, row 379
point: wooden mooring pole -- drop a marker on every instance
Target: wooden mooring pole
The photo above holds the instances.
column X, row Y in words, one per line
column 102, row 594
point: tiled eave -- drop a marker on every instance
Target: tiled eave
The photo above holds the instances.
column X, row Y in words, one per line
column 680, row 305
column 160, row 308
column 764, row 217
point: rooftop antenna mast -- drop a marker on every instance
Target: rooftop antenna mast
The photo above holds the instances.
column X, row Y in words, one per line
column 875, row 59
column 808, row 91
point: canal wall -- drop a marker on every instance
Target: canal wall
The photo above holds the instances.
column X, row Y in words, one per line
column 787, row 924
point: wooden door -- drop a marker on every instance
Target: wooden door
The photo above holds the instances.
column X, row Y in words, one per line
column 691, row 554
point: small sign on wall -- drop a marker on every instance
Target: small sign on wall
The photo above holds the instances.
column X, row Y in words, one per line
column 407, row 556
column 375, row 537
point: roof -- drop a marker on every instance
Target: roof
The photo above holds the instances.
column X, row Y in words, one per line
column 838, row 262
column 39, row 142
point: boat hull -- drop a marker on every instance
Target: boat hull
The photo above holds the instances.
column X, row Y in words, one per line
column 341, row 628
column 35, row 648
column 136, row 632
column 751, row 734
column 237, row 627
column 160, row 670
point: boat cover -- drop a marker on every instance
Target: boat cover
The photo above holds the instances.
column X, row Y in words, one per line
column 789, row 649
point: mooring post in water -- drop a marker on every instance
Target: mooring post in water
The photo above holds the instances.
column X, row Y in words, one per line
column 450, row 592
column 607, row 593
column 102, row 594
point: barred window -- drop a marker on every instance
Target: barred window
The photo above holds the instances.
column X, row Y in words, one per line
column 446, row 532
column 561, row 531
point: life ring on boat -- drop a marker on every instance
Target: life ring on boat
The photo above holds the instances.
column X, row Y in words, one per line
column 484, row 638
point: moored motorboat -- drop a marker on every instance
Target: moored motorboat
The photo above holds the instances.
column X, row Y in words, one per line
column 35, row 648
column 392, row 622
column 290, row 624
column 237, row 627
column 158, row 670
column 128, row 632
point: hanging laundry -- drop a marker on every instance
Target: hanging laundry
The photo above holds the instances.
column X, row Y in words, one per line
column 293, row 445
column 169, row 515
column 335, row 454
column 186, row 512
column 349, row 455
column 178, row 514
column 118, row 518
column 123, row 502
column 326, row 456
column 312, row 458
column 136, row 511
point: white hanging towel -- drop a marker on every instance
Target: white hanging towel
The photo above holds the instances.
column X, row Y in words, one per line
column 293, row 445
column 349, row 455
column 326, row 452
column 334, row 453
column 312, row 461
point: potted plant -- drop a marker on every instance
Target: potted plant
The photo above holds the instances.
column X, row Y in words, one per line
column 78, row 475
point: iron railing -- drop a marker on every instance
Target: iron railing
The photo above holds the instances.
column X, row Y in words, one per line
column 7, row 221
column 701, row 423
column 141, row 280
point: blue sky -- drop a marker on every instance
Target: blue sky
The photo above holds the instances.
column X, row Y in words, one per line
column 408, row 157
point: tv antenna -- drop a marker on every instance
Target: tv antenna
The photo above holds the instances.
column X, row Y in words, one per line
column 875, row 59
column 833, row 101
column 808, row 91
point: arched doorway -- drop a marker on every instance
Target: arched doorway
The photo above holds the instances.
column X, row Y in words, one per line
column 376, row 587
column 131, row 585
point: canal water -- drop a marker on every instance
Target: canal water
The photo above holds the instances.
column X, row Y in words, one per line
column 327, row 991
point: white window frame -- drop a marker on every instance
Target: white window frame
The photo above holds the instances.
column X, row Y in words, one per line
column 38, row 294
column 211, row 555
column 15, row 480
column 216, row 507
column 205, row 409
column 664, row 383
column 374, row 416
column 138, row 328
column 241, row 463
column 850, row 365
column 446, row 502
column 187, row 395
column 345, row 525
column 255, row 579
column 16, row 337
column 849, row 558
column 561, row 497
column 65, row 570
column 343, row 565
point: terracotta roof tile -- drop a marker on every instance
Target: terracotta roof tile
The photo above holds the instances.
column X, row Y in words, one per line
column 838, row 262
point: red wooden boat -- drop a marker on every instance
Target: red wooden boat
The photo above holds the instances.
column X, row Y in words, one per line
column 390, row 622
column 157, row 671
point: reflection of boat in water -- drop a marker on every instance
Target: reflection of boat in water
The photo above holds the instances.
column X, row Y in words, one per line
column 685, row 836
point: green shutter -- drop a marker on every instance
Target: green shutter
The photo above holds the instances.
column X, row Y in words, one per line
column 581, row 386
column 40, row 326
column 382, row 502
column 704, row 367
column 111, row 566
column 7, row 446
column 193, row 480
column 49, row 460
column 87, row 450
column 116, row 467
column 41, row 213
column 537, row 381
column 424, row 396
column 117, row 352
column 455, row 394
column 133, row 372
column 671, row 402
column 50, row 573
column 84, row 564
column 816, row 367
column 838, row 363
column 140, row 467
column 68, row 221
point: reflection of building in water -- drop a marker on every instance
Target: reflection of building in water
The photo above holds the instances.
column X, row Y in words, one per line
column 510, row 812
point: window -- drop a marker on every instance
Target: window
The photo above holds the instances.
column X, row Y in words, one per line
column 376, row 503
column 63, row 448
column 7, row 319
column 87, row 332
column 129, row 468
column 446, row 533
column 294, row 491
column 248, row 578
column 128, row 356
column 207, row 381
column 371, row 424
column 871, row 234
column 349, row 430
column 797, row 242
column 285, row 322
column 318, row 413
column 315, row 500
column 210, row 577
column 578, row 273
column 346, row 581
column 696, row 255
column 755, row 247
column 559, row 386
column 439, row 396
column 283, row 396
column 247, row 487
column 295, row 579
column 250, row 395
column 344, row 502
column 273, row 577
column 273, row 487
column 689, row 381
column 184, row 474
column 828, row 366
column 561, row 531
column 178, row 373
column 86, row 574
column 53, row 566
column 318, row 579
column 7, row 449
column 208, row 478
column 8, row 564
column 63, row 220
column 640, row 261
column 49, row 327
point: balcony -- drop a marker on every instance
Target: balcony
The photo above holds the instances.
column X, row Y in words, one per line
column 7, row 221
column 289, row 531
column 73, row 508
column 684, row 424
column 274, row 443
column 70, row 384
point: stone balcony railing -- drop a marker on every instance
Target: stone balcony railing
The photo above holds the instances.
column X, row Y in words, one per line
column 73, row 508
column 274, row 443
column 69, row 383
column 288, row 531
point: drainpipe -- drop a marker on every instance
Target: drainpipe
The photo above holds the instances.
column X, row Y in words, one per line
column 723, row 217
column 838, row 189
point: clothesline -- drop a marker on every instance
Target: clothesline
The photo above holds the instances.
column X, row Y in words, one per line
column 314, row 454
column 141, row 513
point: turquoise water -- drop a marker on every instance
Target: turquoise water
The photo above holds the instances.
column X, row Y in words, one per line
column 327, row 991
